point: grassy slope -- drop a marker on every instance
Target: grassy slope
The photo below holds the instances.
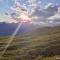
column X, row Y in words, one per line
column 42, row 44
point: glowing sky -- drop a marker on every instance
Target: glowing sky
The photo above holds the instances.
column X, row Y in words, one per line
column 34, row 10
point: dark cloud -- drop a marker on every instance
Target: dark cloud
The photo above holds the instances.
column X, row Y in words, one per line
column 50, row 11
column 6, row 13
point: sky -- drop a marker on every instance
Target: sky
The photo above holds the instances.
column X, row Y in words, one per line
column 43, row 11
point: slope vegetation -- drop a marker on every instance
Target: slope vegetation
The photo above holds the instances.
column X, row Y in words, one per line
column 42, row 44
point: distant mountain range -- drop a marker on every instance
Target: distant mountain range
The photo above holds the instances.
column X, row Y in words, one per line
column 9, row 28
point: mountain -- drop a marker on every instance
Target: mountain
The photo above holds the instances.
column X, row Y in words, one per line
column 41, row 44
column 9, row 28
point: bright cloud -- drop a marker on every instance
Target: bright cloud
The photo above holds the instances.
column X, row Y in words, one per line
column 5, row 18
column 55, row 17
column 31, row 10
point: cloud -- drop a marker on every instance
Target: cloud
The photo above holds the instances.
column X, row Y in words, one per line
column 59, row 9
column 50, row 9
column 46, row 12
column 48, row 5
column 48, row 16
column 18, row 10
column 54, row 17
column 29, row 6
column 33, row 11
column 31, row 1
column 5, row 18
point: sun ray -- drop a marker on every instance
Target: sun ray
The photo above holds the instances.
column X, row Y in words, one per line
column 11, row 38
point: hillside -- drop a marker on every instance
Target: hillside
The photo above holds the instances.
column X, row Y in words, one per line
column 42, row 44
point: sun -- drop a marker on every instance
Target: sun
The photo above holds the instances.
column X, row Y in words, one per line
column 25, row 18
